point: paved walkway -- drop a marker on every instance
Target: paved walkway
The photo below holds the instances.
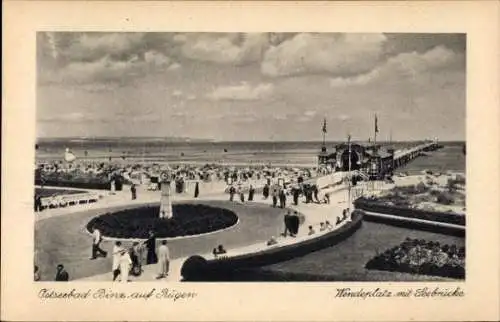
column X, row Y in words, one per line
column 314, row 215
column 61, row 236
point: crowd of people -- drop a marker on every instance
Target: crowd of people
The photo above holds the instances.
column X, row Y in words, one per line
column 129, row 260
column 281, row 193
column 140, row 173
column 280, row 184
column 126, row 261
column 292, row 223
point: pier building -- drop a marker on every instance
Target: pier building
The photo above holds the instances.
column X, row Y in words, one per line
column 374, row 160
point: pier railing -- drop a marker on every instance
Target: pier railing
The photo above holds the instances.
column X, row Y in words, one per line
column 403, row 156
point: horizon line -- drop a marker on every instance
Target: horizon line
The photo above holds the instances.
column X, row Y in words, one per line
column 224, row 141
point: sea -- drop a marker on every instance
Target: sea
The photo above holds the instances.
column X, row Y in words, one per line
column 158, row 150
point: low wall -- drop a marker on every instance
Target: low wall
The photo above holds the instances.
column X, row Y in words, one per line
column 378, row 207
column 197, row 268
column 434, row 227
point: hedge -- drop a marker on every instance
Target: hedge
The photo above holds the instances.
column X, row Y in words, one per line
column 78, row 180
column 76, row 184
column 377, row 206
column 195, row 269
column 430, row 227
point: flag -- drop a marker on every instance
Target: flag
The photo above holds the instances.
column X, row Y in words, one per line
column 376, row 124
column 324, row 126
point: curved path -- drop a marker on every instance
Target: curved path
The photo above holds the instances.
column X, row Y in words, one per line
column 63, row 239
column 61, row 236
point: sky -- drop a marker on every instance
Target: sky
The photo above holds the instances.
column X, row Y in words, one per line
column 245, row 87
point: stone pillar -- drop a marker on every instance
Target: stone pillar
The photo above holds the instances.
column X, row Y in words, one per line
column 166, row 192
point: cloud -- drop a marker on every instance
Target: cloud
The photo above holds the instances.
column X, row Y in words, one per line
column 421, row 43
column 337, row 54
column 156, row 58
column 98, row 57
column 174, row 67
column 310, row 113
column 105, row 70
column 224, row 48
column 406, row 66
column 279, row 116
column 68, row 47
column 177, row 93
column 244, row 92
column 303, row 119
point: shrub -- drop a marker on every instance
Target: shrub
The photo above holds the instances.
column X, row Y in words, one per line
column 421, row 187
column 401, row 209
column 445, row 198
column 194, row 268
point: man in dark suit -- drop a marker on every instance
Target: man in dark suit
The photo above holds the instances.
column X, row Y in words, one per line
column 61, row 274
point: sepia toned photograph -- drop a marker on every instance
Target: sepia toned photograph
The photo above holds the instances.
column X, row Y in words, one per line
column 250, row 157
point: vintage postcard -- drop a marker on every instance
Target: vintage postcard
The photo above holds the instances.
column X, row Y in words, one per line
column 170, row 161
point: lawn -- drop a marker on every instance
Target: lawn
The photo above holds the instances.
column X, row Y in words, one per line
column 346, row 261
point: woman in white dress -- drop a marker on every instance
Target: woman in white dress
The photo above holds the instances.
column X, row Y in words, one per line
column 163, row 259
column 117, row 250
column 125, row 264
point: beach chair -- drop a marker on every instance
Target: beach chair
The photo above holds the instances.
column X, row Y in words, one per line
column 153, row 187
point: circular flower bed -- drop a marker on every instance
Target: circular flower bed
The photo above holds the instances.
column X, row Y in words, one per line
column 188, row 219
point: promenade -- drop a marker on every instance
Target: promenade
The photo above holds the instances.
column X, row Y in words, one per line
column 258, row 222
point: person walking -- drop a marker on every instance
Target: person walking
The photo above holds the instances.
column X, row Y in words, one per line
column 315, row 191
column 282, row 196
column 265, row 191
column 136, row 256
column 287, row 221
column 295, row 192
column 251, row 192
column 125, row 264
column 117, row 250
column 96, row 241
column 196, row 190
column 38, row 203
column 133, row 191
column 151, row 257
column 61, row 274
column 242, row 195
column 163, row 259
column 232, row 191
column 294, row 223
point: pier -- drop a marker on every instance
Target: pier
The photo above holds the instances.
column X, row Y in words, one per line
column 373, row 161
column 404, row 156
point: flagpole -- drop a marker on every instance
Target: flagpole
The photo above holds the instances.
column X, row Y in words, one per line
column 324, row 132
column 349, row 173
column 375, row 144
